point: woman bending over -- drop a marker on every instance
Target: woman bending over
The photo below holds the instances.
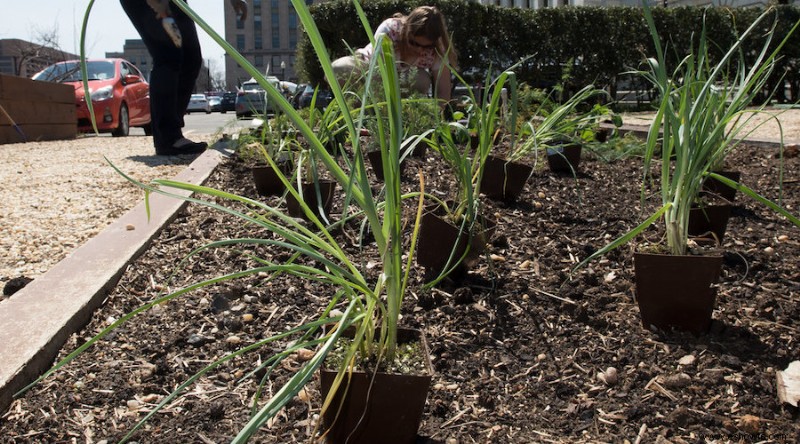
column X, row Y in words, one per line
column 420, row 40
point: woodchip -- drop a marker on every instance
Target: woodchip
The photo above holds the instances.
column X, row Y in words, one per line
column 56, row 195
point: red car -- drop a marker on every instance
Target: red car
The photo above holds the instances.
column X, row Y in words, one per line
column 120, row 94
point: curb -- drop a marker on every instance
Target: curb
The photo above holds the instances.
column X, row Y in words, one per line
column 36, row 322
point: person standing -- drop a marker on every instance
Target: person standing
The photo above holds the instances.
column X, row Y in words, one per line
column 171, row 39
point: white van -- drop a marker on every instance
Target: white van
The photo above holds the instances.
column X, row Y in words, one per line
column 251, row 99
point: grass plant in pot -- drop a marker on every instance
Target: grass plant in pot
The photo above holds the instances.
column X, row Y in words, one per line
column 454, row 232
column 314, row 192
column 329, row 126
column 559, row 134
column 377, row 125
column 420, row 114
column 502, row 178
column 364, row 302
column 559, row 129
column 259, row 144
column 698, row 103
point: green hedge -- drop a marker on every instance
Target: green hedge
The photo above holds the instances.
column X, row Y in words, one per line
column 600, row 43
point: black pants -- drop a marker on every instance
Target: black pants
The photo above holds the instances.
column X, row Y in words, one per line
column 175, row 70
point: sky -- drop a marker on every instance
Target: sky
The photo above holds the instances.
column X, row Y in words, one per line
column 108, row 28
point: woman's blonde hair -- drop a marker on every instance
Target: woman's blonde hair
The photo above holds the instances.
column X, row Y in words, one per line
column 428, row 22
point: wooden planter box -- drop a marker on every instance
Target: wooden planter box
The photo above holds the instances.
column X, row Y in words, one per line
column 43, row 110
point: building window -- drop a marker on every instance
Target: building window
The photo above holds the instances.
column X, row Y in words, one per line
column 259, row 62
column 275, row 15
column 276, row 29
column 240, row 42
column 276, row 64
column 258, row 39
column 7, row 65
column 276, row 38
column 292, row 28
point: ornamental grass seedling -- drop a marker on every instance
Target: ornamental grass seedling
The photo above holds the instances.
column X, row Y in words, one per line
column 698, row 121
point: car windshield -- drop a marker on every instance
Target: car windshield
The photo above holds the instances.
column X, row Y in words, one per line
column 251, row 87
column 71, row 71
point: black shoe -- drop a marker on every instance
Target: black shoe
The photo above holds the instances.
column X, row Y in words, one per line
column 182, row 146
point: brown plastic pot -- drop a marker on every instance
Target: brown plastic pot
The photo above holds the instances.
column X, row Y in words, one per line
column 267, row 181
column 709, row 222
column 380, row 407
column 376, row 160
column 326, row 191
column 504, row 180
column 714, row 188
column 564, row 158
column 676, row 291
column 420, row 150
column 441, row 244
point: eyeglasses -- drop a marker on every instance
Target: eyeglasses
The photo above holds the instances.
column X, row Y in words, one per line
column 413, row 42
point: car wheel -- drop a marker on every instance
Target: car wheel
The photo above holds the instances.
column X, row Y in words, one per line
column 123, row 127
column 208, row 112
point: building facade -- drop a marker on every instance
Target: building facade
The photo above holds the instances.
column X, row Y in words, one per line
column 267, row 38
column 135, row 52
column 24, row 59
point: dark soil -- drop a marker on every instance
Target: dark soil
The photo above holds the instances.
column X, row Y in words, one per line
column 517, row 346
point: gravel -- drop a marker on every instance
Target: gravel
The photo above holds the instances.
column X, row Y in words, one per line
column 58, row 194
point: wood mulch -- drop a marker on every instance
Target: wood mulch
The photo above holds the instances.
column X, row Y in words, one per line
column 524, row 350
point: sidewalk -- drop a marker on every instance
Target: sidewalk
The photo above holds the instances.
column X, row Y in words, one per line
column 763, row 130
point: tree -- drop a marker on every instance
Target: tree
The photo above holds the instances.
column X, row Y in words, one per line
column 44, row 50
column 211, row 78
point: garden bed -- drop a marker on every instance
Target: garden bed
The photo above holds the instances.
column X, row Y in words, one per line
column 517, row 347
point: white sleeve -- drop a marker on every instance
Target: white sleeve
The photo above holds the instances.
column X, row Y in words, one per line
column 386, row 27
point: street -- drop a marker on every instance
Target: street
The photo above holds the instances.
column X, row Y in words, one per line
column 201, row 123
column 198, row 124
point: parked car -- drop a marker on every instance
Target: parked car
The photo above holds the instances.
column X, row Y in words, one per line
column 119, row 93
column 215, row 102
column 251, row 100
column 198, row 102
column 324, row 97
column 228, row 101
column 297, row 93
column 288, row 89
